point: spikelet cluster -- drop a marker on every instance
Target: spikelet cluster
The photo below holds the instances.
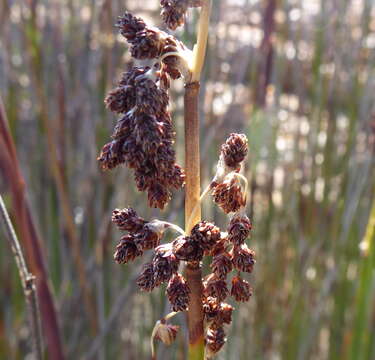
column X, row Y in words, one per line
column 173, row 11
column 143, row 137
column 227, row 250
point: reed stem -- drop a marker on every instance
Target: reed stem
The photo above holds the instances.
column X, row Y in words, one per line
column 193, row 271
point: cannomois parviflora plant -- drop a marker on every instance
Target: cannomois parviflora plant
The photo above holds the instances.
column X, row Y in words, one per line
column 143, row 140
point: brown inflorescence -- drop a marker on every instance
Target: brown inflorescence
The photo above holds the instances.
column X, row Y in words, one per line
column 165, row 264
column 215, row 339
column 186, row 248
column 234, row 150
column 215, row 287
column 143, row 137
column 217, row 313
column 228, row 251
column 206, row 234
column 243, row 258
column 146, row 280
column 239, row 229
column 241, row 290
column 228, row 194
column 173, row 11
column 178, row 293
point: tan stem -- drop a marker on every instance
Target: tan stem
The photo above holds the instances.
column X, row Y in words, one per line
column 192, row 195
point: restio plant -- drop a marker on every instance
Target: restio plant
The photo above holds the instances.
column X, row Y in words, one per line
column 143, row 140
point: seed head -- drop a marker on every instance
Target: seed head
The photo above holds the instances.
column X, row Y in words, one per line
column 206, row 234
column 146, row 280
column 215, row 339
column 234, row 150
column 178, row 293
column 221, row 264
column 215, row 287
column 243, row 258
column 228, row 194
column 239, row 229
column 186, row 248
column 126, row 250
column 217, row 313
column 127, row 219
column 173, row 11
column 241, row 290
column 165, row 264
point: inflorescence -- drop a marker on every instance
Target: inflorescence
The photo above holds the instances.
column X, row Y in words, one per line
column 143, row 140
column 227, row 251
column 143, row 137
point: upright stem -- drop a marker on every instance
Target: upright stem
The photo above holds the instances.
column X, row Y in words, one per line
column 27, row 280
column 193, row 270
column 192, row 195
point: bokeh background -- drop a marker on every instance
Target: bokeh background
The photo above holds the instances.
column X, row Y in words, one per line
column 296, row 76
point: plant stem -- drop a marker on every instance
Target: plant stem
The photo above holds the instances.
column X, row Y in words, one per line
column 29, row 236
column 192, row 168
column 193, row 271
column 27, row 280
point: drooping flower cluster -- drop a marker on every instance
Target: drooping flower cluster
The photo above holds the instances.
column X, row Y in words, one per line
column 173, row 11
column 143, row 136
column 228, row 252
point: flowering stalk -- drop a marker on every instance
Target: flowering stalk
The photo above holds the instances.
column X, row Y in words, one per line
column 192, row 193
column 143, row 140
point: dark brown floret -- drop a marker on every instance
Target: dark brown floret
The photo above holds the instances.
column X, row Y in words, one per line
column 146, row 280
column 243, row 258
column 215, row 287
column 173, row 11
column 148, row 238
column 206, row 234
column 178, row 293
column 186, row 248
column 228, row 195
column 127, row 219
column 217, row 313
column 241, row 290
column 111, row 155
column 165, row 264
column 129, row 25
column 120, row 100
column 215, row 339
column 239, row 229
column 222, row 264
column 126, row 250
column 234, row 150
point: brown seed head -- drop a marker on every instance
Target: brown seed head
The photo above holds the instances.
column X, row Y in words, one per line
column 243, row 258
column 127, row 219
column 206, row 234
column 228, row 194
column 146, row 280
column 239, row 229
column 215, row 287
column 221, row 264
column 234, row 150
column 186, row 248
column 217, row 313
column 165, row 264
column 173, row 11
column 215, row 339
column 126, row 250
column 178, row 293
column 241, row 290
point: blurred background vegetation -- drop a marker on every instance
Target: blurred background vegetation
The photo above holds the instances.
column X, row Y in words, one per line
column 296, row 76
